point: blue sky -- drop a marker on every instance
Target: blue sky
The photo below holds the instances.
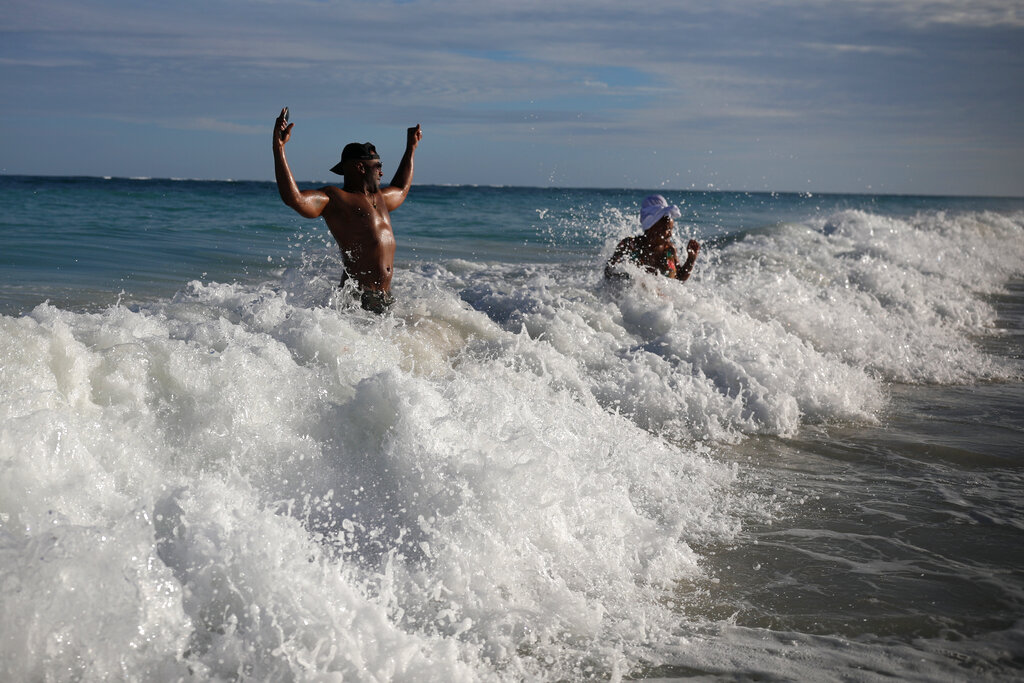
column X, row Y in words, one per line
column 901, row 96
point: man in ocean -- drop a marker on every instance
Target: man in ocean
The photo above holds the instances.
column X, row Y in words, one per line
column 653, row 250
column 358, row 213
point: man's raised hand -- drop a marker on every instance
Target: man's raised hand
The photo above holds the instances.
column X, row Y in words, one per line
column 282, row 129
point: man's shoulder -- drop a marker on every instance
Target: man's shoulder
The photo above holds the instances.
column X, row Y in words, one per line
column 339, row 196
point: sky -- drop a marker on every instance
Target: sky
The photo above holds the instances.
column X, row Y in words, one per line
column 857, row 96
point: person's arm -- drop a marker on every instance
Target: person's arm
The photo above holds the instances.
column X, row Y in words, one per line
column 683, row 271
column 309, row 203
column 396, row 193
column 610, row 271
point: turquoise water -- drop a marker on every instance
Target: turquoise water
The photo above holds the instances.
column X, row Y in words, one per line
column 81, row 241
column 802, row 464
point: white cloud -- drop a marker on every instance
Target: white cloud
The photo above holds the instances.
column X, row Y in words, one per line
column 965, row 13
column 555, row 73
column 885, row 50
column 43, row 62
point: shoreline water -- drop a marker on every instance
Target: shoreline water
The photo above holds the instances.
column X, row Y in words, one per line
column 805, row 462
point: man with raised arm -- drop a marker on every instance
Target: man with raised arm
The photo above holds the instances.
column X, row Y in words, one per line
column 358, row 213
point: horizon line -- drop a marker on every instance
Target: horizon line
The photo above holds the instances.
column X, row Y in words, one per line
column 609, row 188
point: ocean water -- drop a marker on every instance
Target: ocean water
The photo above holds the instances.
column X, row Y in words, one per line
column 806, row 463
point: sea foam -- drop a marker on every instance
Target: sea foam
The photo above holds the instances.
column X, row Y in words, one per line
column 242, row 486
column 505, row 479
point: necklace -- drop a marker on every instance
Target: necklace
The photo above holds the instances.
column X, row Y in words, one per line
column 373, row 199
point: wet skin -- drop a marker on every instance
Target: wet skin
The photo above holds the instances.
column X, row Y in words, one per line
column 358, row 213
column 653, row 251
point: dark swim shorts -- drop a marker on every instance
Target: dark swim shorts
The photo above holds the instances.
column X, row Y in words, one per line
column 377, row 302
column 374, row 301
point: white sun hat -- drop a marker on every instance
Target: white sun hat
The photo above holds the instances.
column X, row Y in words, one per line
column 656, row 207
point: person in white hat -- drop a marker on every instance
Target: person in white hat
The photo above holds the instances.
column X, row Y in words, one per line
column 653, row 250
